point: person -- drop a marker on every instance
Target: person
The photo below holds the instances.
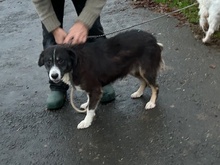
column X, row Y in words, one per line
column 51, row 13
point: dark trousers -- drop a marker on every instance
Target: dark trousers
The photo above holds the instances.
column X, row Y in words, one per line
column 49, row 40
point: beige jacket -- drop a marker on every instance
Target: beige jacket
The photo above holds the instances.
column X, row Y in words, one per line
column 48, row 17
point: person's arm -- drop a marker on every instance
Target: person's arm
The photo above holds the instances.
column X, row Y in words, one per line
column 49, row 19
column 79, row 31
column 46, row 13
column 91, row 12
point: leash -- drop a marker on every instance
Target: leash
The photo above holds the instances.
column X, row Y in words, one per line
column 72, row 103
column 71, row 95
column 150, row 20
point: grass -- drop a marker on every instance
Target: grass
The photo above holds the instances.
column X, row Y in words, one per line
column 190, row 13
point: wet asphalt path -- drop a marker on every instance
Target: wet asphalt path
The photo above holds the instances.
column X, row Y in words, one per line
column 183, row 129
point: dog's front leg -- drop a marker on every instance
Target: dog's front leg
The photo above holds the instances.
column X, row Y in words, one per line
column 94, row 98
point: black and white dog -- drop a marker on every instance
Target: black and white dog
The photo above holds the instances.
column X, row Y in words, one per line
column 91, row 66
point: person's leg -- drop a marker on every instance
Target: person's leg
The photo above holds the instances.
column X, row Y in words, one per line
column 96, row 29
column 57, row 97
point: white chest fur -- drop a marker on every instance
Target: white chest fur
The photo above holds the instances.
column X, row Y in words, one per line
column 66, row 79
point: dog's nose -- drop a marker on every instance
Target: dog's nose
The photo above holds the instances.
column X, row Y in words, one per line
column 54, row 76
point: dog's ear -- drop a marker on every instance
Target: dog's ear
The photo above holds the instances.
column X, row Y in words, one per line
column 41, row 59
column 73, row 57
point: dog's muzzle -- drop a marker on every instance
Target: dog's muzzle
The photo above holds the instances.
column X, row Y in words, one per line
column 55, row 74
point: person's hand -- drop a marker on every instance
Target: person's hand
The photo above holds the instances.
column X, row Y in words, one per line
column 77, row 34
column 59, row 35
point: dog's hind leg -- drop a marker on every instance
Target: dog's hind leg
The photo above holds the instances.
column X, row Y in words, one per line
column 152, row 103
column 203, row 13
column 140, row 90
column 151, row 81
column 94, row 98
column 213, row 26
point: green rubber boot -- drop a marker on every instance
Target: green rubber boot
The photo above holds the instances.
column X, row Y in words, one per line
column 56, row 100
column 108, row 94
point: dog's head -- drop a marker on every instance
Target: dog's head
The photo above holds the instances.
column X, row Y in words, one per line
column 58, row 60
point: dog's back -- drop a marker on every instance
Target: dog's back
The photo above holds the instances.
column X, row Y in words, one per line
column 139, row 46
column 124, row 53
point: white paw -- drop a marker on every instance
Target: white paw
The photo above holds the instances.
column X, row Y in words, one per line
column 84, row 124
column 136, row 95
column 150, row 105
column 84, row 105
column 205, row 40
column 88, row 120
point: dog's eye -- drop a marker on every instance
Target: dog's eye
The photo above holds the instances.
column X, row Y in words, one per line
column 49, row 62
column 60, row 61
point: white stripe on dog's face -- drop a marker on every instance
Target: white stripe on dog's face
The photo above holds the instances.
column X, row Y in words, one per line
column 54, row 74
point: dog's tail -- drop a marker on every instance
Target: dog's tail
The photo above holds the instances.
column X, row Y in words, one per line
column 162, row 63
column 73, row 105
